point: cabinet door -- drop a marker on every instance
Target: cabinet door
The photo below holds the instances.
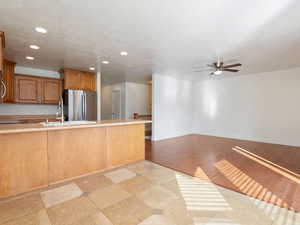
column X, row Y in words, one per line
column 76, row 152
column 51, row 91
column 72, row 79
column 8, row 78
column 1, row 51
column 1, row 64
column 88, row 81
column 28, row 90
column 23, row 162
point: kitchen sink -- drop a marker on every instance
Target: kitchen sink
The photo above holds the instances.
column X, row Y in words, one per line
column 49, row 124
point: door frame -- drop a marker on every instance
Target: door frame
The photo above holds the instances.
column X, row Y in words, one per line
column 120, row 101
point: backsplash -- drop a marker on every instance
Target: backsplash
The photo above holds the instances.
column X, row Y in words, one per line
column 36, row 72
column 24, row 109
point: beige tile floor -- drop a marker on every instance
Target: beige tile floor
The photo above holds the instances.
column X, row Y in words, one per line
column 61, row 194
column 142, row 193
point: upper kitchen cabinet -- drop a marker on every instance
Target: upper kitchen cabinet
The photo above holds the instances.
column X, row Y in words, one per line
column 88, row 81
column 2, row 85
column 37, row 90
column 71, row 79
column 79, row 80
column 52, row 90
column 2, row 45
column 28, row 89
column 8, row 79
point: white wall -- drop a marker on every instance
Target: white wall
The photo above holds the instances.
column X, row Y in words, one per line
column 36, row 72
column 22, row 109
column 136, row 99
column 133, row 99
column 260, row 107
column 172, row 106
column 106, row 100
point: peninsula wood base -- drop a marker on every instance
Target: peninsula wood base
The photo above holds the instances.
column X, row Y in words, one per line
column 36, row 159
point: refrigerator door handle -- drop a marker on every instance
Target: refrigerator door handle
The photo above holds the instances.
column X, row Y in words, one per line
column 84, row 106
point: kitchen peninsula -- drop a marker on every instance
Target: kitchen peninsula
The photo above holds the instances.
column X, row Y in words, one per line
column 34, row 156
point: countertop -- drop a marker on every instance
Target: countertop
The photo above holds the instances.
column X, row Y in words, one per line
column 21, row 128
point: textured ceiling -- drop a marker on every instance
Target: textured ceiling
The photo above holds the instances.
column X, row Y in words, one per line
column 159, row 35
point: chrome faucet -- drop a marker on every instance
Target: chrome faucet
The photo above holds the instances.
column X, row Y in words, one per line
column 61, row 108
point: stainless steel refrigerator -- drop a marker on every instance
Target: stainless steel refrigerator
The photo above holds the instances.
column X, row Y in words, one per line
column 80, row 105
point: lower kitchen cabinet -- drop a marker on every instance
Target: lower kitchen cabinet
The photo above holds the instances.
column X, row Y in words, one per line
column 30, row 160
column 119, row 153
column 76, row 152
column 23, row 162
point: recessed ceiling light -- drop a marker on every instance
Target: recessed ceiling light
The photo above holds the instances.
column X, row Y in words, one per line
column 29, row 57
column 41, row 30
column 105, row 62
column 34, row 46
column 92, row 68
column 123, row 53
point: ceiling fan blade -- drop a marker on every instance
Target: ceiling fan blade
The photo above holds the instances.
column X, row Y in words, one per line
column 232, row 65
column 210, row 65
column 231, row 70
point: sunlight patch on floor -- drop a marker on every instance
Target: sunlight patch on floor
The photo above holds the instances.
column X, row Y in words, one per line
column 248, row 185
column 262, row 161
column 200, row 195
column 215, row 221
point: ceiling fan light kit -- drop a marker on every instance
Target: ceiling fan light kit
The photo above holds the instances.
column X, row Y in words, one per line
column 218, row 72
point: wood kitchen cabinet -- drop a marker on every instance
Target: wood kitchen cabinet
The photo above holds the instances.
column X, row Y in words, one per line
column 37, row 90
column 79, row 80
column 76, row 152
column 28, row 90
column 119, row 153
column 71, row 79
column 88, row 81
column 23, row 162
column 8, row 79
column 2, row 45
column 46, row 156
column 52, row 90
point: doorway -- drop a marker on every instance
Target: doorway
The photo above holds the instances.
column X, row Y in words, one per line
column 116, row 104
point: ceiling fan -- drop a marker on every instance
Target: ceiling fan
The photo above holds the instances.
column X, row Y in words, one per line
column 219, row 67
